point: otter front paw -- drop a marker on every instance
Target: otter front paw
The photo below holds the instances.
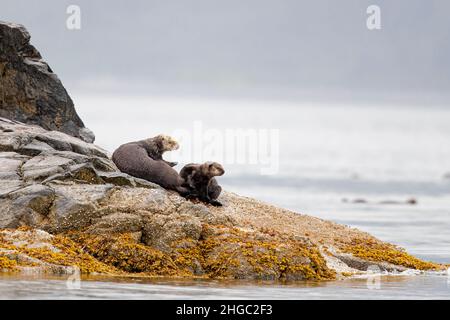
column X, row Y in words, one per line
column 191, row 196
column 216, row 203
column 184, row 192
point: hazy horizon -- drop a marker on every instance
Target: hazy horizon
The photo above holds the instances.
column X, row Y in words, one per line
column 286, row 50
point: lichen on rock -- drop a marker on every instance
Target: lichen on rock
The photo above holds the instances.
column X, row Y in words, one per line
column 385, row 252
column 26, row 249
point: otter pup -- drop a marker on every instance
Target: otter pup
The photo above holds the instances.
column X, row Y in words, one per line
column 143, row 159
column 199, row 178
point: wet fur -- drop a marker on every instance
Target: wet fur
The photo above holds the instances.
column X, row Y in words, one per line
column 200, row 180
column 155, row 149
column 143, row 159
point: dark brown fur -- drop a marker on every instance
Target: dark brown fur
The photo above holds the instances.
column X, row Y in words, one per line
column 155, row 147
column 199, row 178
column 143, row 159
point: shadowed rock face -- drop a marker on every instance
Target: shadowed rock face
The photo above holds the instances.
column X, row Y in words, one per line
column 29, row 90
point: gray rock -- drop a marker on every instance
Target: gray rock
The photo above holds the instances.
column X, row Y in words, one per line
column 123, row 179
column 364, row 265
column 34, row 148
column 27, row 206
column 9, row 142
column 143, row 200
column 76, row 205
column 87, row 135
column 30, row 92
column 46, row 161
column 16, row 135
column 104, row 164
column 145, row 184
column 194, row 209
column 75, row 157
column 8, row 186
column 117, row 178
column 118, row 222
column 10, row 215
column 85, row 172
column 10, row 165
column 163, row 232
column 37, row 197
column 44, row 166
column 62, row 142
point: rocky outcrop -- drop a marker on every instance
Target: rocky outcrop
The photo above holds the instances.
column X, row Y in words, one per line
column 64, row 204
column 29, row 90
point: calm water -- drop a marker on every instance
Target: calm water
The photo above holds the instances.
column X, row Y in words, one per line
column 324, row 155
column 389, row 287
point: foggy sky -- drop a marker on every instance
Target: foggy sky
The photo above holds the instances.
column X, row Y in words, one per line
column 317, row 49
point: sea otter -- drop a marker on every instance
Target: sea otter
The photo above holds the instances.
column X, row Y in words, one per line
column 143, row 159
column 199, row 178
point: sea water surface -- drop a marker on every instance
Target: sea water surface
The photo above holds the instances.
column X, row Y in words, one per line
column 432, row 286
column 355, row 165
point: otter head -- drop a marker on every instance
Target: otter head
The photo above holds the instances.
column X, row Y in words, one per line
column 212, row 169
column 166, row 143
